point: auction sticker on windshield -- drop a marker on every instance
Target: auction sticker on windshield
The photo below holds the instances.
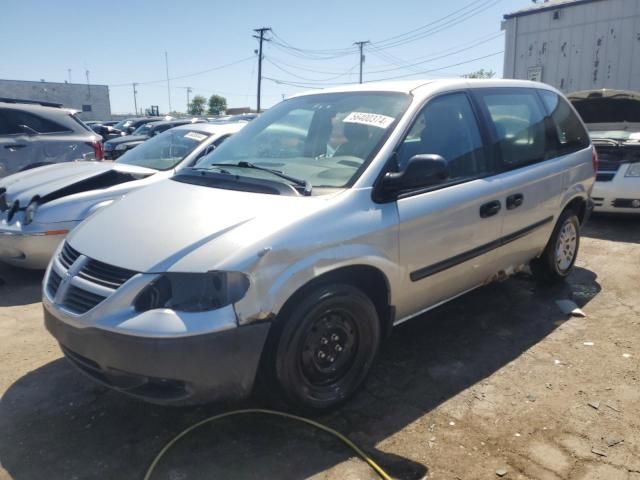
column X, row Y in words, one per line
column 195, row 136
column 371, row 119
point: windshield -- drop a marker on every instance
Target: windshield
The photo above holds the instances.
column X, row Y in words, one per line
column 122, row 124
column 326, row 139
column 143, row 130
column 164, row 151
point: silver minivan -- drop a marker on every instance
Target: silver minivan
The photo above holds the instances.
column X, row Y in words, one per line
column 286, row 255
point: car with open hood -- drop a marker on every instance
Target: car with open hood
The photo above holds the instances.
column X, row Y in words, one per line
column 40, row 206
column 287, row 254
column 613, row 120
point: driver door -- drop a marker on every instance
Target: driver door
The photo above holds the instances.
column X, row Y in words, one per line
column 447, row 232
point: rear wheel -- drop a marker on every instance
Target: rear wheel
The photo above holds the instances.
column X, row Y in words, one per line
column 325, row 347
column 559, row 256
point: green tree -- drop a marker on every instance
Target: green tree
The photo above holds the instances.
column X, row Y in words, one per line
column 217, row 105
column 196, row 107
column 482, row 73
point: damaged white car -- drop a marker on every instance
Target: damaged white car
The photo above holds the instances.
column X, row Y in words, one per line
column 39, row 207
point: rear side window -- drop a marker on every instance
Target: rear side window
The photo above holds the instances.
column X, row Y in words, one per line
column 571, row 135
column 519, row 124
column 14, row 120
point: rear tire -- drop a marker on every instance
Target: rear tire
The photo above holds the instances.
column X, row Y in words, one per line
column 323, row 348
column 559, row 256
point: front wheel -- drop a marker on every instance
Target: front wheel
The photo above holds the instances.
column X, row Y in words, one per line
column 325, row 348
column 559, row 256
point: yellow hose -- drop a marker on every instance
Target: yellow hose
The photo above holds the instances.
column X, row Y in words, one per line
column 344, row 439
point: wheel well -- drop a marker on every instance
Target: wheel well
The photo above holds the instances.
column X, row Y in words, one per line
column 365, row 277
column 579, row 206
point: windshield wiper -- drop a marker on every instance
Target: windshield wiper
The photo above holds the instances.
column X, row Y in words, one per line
column 206, row 169
column 300, row 182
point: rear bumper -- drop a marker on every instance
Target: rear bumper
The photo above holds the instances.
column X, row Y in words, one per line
column 28, row 250
column 191, row 369
column 113, row 154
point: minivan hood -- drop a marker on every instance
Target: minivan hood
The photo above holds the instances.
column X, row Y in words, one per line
column 155, row 228
column 51, row 181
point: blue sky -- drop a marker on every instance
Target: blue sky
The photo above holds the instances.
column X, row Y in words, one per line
column 123, row 42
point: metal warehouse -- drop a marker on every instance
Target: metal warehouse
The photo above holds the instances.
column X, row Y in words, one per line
column 92, row 101
column 575, row 44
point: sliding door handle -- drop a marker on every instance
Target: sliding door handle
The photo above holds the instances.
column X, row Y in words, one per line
column 514, row 201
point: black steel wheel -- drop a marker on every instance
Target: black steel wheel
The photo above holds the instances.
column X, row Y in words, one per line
column 325, row 347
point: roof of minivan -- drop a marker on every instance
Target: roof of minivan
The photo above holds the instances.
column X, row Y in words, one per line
column 212, row 128
column 419, row 86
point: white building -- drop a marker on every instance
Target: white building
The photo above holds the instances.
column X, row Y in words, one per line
column 92, row 101
column 575, row 44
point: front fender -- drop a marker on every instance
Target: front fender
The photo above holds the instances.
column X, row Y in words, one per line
column 274, row 279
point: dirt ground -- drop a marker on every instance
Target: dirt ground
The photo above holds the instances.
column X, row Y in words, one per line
column 498, row 379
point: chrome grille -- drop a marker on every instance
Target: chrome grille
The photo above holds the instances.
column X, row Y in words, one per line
column 90, row 281
column 68, row 255
column 78, row 300
column 54, row 283
column 105, row 274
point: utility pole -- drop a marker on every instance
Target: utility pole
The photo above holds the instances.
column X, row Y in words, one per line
column 189, row 90
column 69, row 73
column 260, row 37
column 135, row 100
column 361, row 45
column 166, row 64
column 86, row 72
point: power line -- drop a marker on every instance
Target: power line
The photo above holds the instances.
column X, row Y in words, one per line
column 439, row 28
column 440, row 68
column 434, row 22
column 282, row 69
column 439, row 57
column 213, row 69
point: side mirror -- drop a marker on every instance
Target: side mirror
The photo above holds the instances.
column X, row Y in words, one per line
column 130, row 130
column 420, row 171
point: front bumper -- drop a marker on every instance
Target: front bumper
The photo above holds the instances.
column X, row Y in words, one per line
column 165, row 370
column 618, row 195
column 28, row 250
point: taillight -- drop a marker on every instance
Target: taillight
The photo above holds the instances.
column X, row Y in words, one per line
column 594, row 159
column 98, row 149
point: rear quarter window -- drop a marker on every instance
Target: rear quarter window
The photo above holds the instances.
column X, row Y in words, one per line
column 570, row 134
column 15, row 119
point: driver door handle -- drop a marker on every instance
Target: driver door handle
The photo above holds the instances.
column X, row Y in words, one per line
column 490, row 209
column 15, row 146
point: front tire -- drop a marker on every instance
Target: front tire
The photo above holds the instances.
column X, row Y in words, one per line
column 325, row 347
column 559, row 256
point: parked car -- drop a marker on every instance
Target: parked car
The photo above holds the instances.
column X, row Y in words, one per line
column 116, row 147
column 129, row 125
column 278, row 255
column 40, row 133
column 38, row 208
column 241, row 117
column 613, row 120
column 105, row 129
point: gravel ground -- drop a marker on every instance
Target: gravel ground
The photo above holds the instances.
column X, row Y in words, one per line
column 497, row 381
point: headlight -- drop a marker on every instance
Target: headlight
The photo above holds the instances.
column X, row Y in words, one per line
column 30, row 212
column 193, row 292
column 633, row 170
column 121, row 146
